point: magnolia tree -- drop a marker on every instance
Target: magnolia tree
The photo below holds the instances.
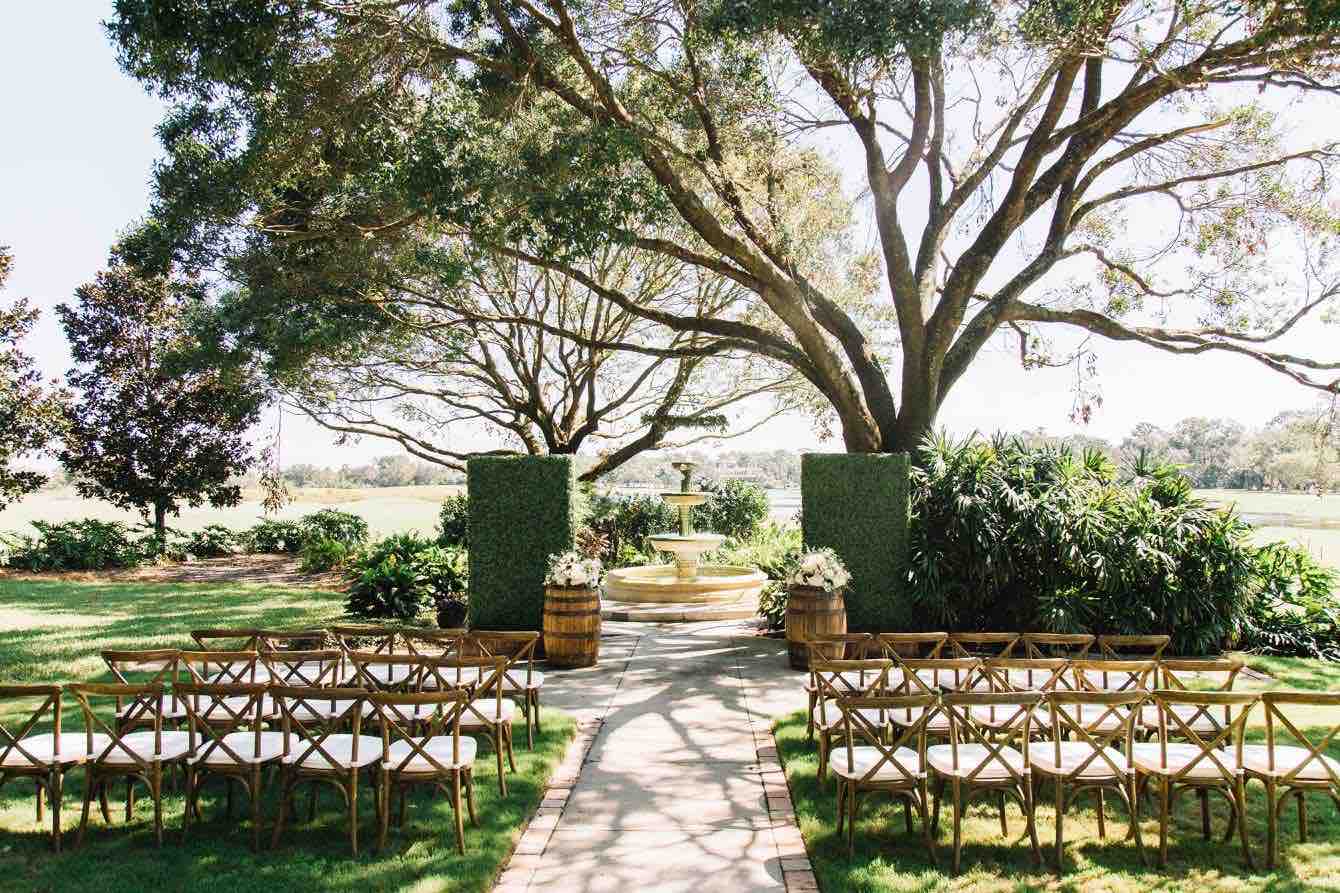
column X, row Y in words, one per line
column 894, row 186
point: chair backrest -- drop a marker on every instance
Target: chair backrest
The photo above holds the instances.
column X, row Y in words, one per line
column 1115, row 675
column 857, row 726
column 937, row 674
column 159, row 665
column 1010, row 717
column 918, row 646
column 220, row 667
column 368, row 637
column 304, row 669
column 444, row 713
column 145, row 699
column 1177, row 673
column 833, row 679
column 474, row 675
column 1083, row 716
column 434, row 642
column 1314, row 767
column 1074, row 646
column 11, row 743
column 375, row 671
column 292, row 639
column 1181, row 724
column 1027, row 673
column 227, row 639
column 517, row 647
column 842, row 646
column 983, row 644
column 215, row 711
column 1126, row 647
column 306, row 738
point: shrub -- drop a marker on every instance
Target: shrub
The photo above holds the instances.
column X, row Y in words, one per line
column 453, row 522
column 522, row 510
column 213, row 541
column 276, row 537
column 334, row 525
column 733, row 508
column 625, row 522
column 772, row 605
column 1294, row 611
column 76, row 546
column 321, row 555
column 400, row 575
column 390, row 588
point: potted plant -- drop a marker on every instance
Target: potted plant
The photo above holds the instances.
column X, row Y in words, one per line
column 815, row 605
column 572, row 610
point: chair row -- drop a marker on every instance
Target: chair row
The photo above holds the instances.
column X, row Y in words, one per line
column 317, row 735
column 989, row 644
column 990, row 749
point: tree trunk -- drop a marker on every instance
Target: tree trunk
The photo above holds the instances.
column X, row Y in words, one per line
column 160, row 522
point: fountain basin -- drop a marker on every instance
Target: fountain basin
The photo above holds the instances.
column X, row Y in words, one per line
column 713, row 583
column 684, row 499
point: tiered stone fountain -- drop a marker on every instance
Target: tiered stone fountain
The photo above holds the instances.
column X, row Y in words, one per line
column 686, row 590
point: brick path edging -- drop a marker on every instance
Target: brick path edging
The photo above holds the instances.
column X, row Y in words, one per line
column 797, row 872
column 520, row 867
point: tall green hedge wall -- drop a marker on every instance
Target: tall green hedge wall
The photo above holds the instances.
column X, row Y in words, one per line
column 856, row 504
column 522, row 510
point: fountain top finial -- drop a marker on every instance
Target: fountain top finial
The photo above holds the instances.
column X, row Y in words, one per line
column 685, row 469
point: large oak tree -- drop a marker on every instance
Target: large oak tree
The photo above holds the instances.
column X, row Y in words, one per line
column 1134, row 169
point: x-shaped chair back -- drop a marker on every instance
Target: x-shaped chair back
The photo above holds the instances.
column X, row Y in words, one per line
column 368, row 637
column 1027, row 673
column 1011, row 719
column 220, row 667
column 517, row 647
column 856, row 724
column 982, row 644
column 144, row 699
column 918, row 646
column 304, row 669
column 840, row 646
column 444, row 709
column 936, row 675
column 308, row 737
column 1276, row 715
column 1126, row 647
column 1069, row 719
column 1175, row 674
column 1174, row 722
column 1074, row 646
column 11, row 743
column 215, row 711
column 291, row 640
column 474, row 675
column 159, row 665
column 834, row 679
column 227, row 639
column 403, row 672
column 434, row 642
column 1115, row 675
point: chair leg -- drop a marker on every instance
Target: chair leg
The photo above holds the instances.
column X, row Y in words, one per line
column 530, row 726
column 285, row 804
column 130, row 797
column 353, row 811
column 935, row 809
column 535, row 699
column 925, row 822
column 1135, row 820
column 156, row 791
column 470, row 796
column 1204, row 796
column 1163, row 821
column 89, row 782
column 103, row 804
column 851, row 819
column 1102, row 815
column 497, row 752
column 809, row 719
column 1060, row 825
column 1302, row 816
column 507, row 737
column 1031, row 811
column 456, row 807
column 823, row 757
column 256, row 809
column 1000, row 805
column 1272, row 825
column 56, row 788
column 1240, row 807
column 841, row 804
column 384, row 808
column 907, row 814
column 958, row 814
column 41, row 813
column 186, row 805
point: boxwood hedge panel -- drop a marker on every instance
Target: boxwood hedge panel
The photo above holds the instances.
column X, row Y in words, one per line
column 856, row 504
column 522, row 510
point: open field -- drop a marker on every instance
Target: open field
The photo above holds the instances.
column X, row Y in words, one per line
column 51, row 631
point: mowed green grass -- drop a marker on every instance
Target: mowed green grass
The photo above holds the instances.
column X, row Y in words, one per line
column 889, row 859
column 52, row 631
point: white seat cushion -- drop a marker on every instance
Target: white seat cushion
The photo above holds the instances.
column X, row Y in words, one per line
column 174, row 745
column 970, row 757
column 73, row 749
column 516, row 680
column 865, row 758
column 832, row 717
column 483, row 709
column 340, row 749
column 1042, row 757
column 440, row 749
column 244, row 745
column 1288, row 757
column 1147, row 757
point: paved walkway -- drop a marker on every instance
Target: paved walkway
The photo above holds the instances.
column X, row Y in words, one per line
column 672, row 796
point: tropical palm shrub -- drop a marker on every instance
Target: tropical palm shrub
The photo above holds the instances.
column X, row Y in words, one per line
column 397, row 577
column 82, row 545
column 1295, row 610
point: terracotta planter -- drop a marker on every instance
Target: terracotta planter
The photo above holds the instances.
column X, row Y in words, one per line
column 812, row 611
column 571, row 626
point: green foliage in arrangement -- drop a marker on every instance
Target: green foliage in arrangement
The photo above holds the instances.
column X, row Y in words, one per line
column 453, row 522
column 522, row 510
column 733, row 508
column 857, row 505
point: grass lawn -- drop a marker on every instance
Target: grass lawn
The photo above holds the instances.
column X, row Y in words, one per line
column 52, row 631
column 889, row 859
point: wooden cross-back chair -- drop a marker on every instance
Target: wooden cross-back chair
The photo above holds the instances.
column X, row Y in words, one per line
column 374, row 671
column 519, row 679
column 160, row 666
column 911, row 645
column 227, row 740
column 983, row 645
column 314, row 753
column 369, row 637
column 1112, row 676
column 487, row 712
column 895, row 764
column 226, row 668
column 1294, row 768
column 1132, row 647
column 136, row 756
column 832, row 646
column 933, row 676
column 833, row 679
column 1074, row 646
column 44, row 757
column 322, row 668
column 1196, row 762
column 1021, row 674
column 430, row 751
column 1090, row 750
column 1177, row 675
column 433, row 642
column 227, row 639
column 980, row 760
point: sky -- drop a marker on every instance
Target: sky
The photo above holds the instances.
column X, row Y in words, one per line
column 77, row 150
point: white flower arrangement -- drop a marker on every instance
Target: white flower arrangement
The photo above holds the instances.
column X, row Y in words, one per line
column 821, row 568
column 571, row 570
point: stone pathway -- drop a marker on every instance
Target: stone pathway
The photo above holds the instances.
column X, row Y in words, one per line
column 680, row 789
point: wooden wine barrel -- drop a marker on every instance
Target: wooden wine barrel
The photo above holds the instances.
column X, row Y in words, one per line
column 571, row 626
column 809, row 611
